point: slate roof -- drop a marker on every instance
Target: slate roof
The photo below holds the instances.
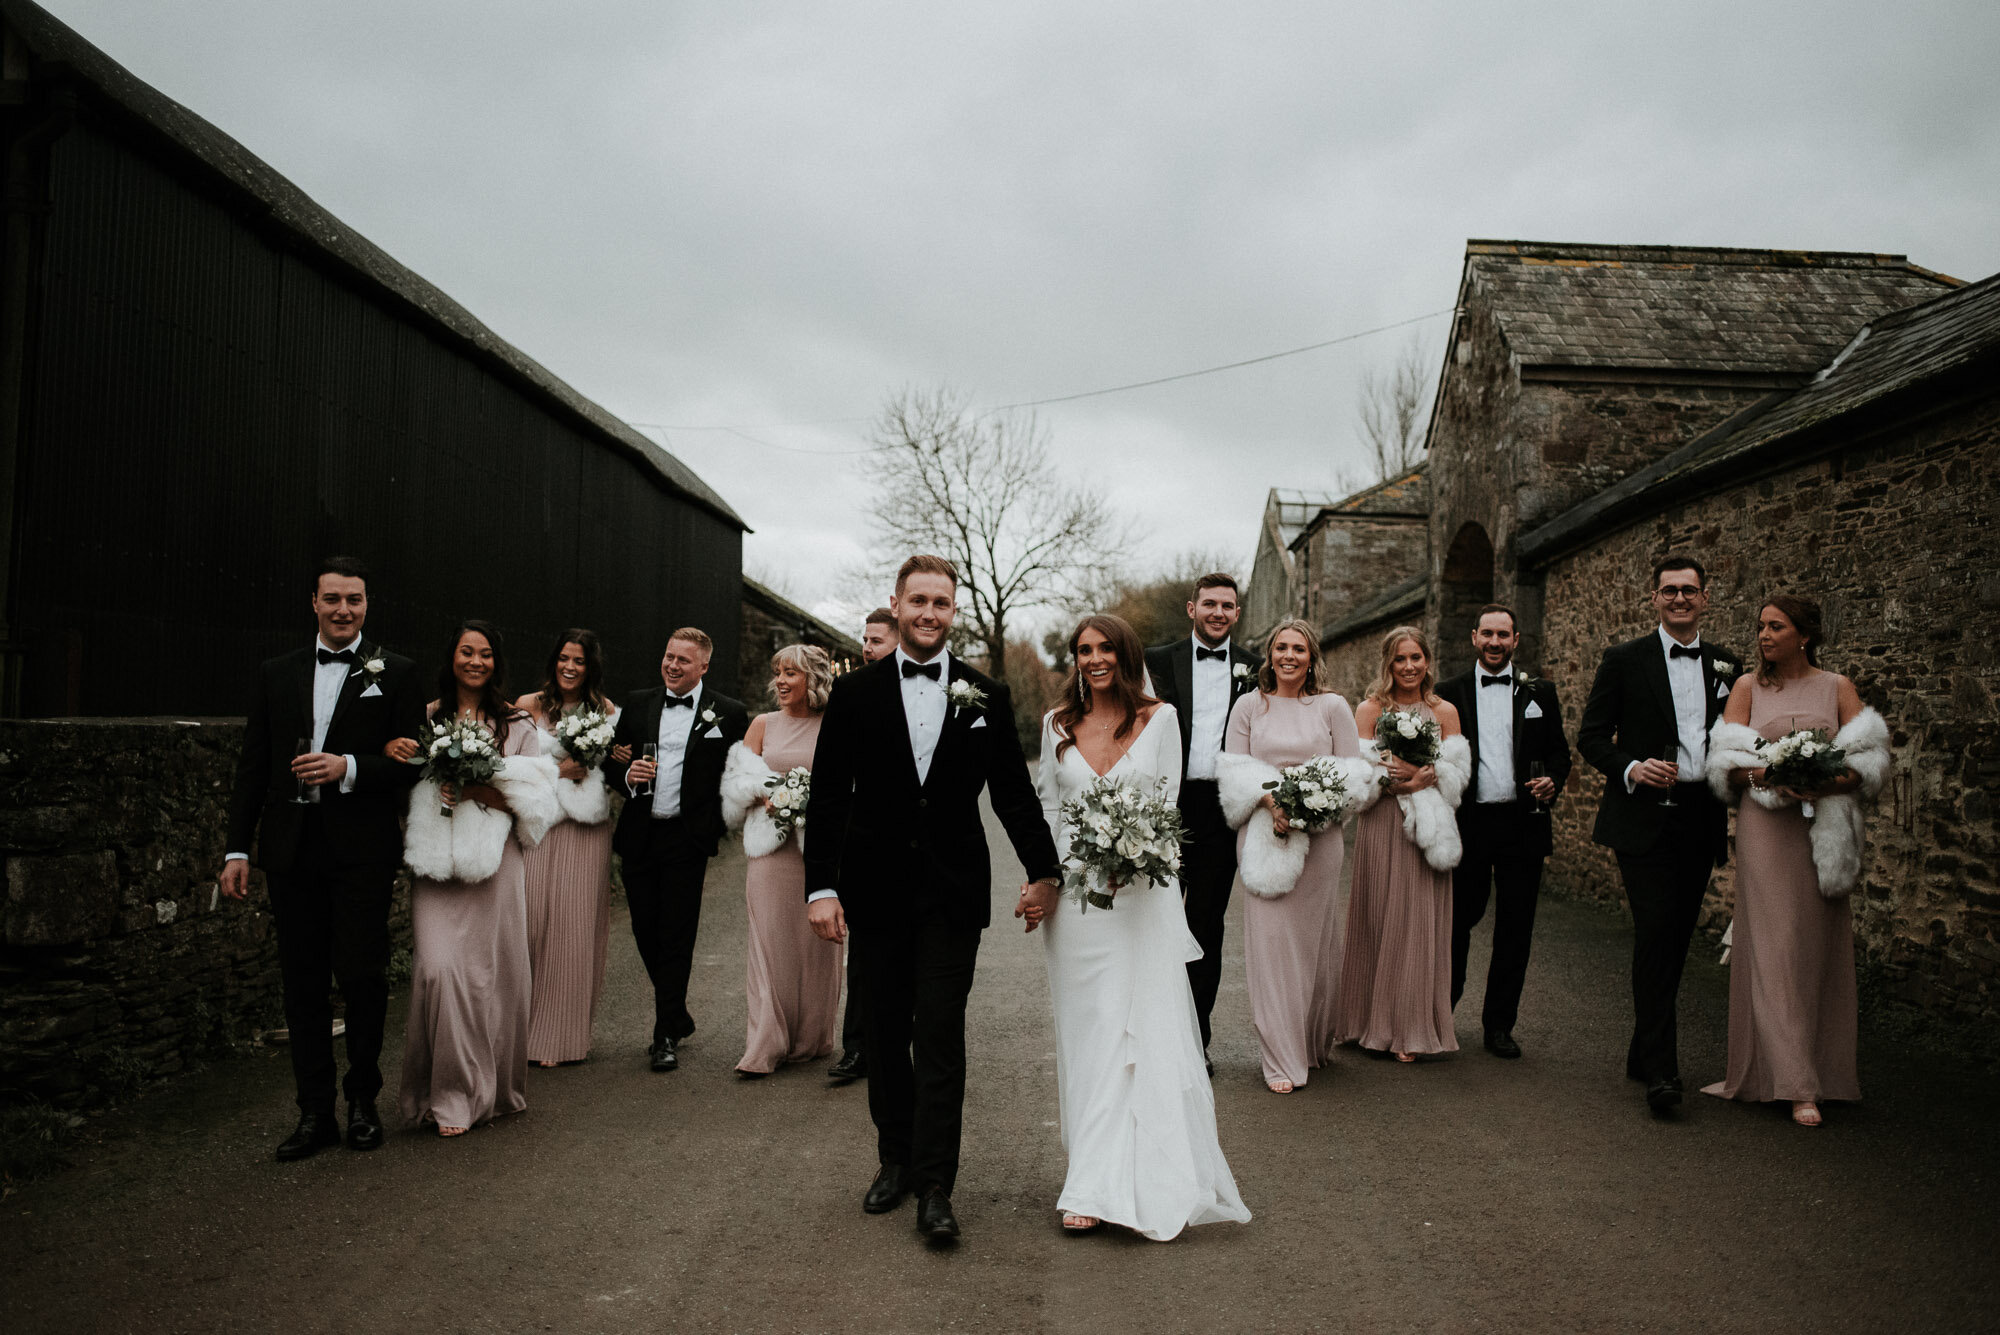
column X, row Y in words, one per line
column 1686, row 308
column 1907, row 360
column 1404, row 497
column 289, row 208
column 788, row 613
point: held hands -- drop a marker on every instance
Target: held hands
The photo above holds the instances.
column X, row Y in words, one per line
column 320, row 768
column 1656, row 773
column 401, row 748
column 1037, row 901
column 1405, row 778
column 621, row 752
column 829, row 921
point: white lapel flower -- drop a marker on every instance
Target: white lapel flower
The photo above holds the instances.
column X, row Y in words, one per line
column 964, row 695
column 1242, row 672
column 708, row 716
column 371, row 665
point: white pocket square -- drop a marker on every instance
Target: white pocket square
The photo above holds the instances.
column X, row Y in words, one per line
column 1532, row 711
column 373, row 689
column 978, row 722
column 713, row 732
column 1722, row 690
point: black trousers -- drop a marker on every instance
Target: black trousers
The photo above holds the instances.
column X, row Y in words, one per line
column 1208, row 872
column 333, row 926
column 663, row 892
column 1665, row 888
column 854, row 1024
column 1502, row 861
column 915, row 980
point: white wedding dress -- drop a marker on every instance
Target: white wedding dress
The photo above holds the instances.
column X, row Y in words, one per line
column 1138, row 1116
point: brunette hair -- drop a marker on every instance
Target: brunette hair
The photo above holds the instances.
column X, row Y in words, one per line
column 881, row 616
column 1804, row 614
column 695, row 636
column 1128, row 687
column 1215, row 579
column 1382, row 689
column 550, row 697
column 494, row 706
column 1513, row 621
column 1315, row 682
column 348, row 567
column 925, row 565
column 817, row 666
column 1679, row 561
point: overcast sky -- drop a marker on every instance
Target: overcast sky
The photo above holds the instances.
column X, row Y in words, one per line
column 760, row 215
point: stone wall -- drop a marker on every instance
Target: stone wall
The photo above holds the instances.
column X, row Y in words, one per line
column 1895, row 537
column 1349, row 559
column 119, row 960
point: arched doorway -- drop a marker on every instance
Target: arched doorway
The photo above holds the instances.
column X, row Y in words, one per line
column 1464, row 586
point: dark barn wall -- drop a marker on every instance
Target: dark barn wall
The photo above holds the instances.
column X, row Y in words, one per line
column 212, row 406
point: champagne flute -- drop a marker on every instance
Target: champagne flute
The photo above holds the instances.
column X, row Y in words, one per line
column 1672, row 758
column 650, row 752
column 303, row 795
column 1539, row 770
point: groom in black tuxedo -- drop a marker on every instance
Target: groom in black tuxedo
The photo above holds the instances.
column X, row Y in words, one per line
column 672, row 822
column 1202, row 676
column 1645, row 728
column 897, row 843
column 323, row 806
column 1513, row 722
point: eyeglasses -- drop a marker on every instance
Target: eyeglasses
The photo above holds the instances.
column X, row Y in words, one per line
column 1673, row 591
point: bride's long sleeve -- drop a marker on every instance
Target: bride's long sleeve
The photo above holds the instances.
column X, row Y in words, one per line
column 1046, row 787
column 1167, row 753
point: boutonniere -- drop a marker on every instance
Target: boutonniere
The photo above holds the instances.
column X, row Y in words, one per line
column 370, row 665
column 1242, row 672
column 1522, row 678
column 964, row 695
column 1725, row 669
column 708, row 716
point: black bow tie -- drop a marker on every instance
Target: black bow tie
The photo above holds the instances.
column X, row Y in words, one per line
column 335, row 656
column 1485, row 680
column 1683, row 651
column 935, row 671
column 678, row 701
column 1201, row 655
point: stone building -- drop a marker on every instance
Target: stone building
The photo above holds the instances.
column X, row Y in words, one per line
column 1361, row 566
column 1823, row 423
column 1273, row 592
column 770, row 622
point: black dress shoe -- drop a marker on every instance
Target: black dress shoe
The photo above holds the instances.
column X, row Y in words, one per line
column 852, row 1066
column 315, row 1132
column 1501, row 1044
column 935, row 1221
column 1664, row 1094
column 888, row 1189
column 663, row 1055
column 364, row 1125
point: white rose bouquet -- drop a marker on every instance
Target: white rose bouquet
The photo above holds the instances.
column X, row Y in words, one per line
column 1118, row 834
column 458, row 752
column 790, row 793
column 586, row 735
column 1313, row 795
column 1409, row 736
column 1805, row 760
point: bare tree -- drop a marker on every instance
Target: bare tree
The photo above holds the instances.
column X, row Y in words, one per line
column 984, row 492
column 1391, row 416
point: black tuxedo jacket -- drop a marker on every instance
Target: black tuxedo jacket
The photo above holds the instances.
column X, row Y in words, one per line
column 1534, row 739
column 894, row 847
column 1171, row 667
column 1630, row 716
column 363, row 827
column 701, row 768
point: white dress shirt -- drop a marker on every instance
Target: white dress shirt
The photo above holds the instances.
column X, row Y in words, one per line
column 1495, row 706
column 1208, row 710
column 677, row 725
column 1684, row 679
column 925, row 708
column 328, row 678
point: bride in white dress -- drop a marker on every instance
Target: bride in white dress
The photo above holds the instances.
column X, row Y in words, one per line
column 1138, row 1116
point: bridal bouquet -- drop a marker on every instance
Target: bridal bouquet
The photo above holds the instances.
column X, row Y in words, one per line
column 789, row 795
column 1313, row 795
column 1119, row 834
column 586, row 735
column 457, row 751
column 1805, row 760
column 1408, row 736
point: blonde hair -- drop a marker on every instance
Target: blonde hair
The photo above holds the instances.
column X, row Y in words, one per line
column 814, row 663
column 1315, row 682
column 1382, row 689
column 695, row 636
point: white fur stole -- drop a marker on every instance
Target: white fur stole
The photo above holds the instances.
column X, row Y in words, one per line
column 1429, row 815
column 1837, row 829
column 744, row 776
column 468, row 845
column 1272, row 864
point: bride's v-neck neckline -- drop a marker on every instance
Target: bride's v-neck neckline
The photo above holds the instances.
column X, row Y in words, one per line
column 1122, row 754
